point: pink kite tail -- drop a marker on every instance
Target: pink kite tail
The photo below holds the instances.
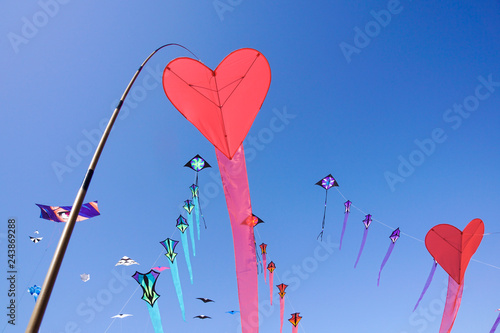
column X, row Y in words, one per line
column 427, row 284
column 265, row 265
column 346, row 216
column 362, row 246
column 453, row 299
column 271, row 274
column 235, row 182
column 495, row 325
column 295, row 329
column 282, row 312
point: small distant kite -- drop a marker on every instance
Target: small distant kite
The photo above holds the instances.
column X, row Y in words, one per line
column 85, row 277
column 204, row 300
column 347, row 206
column 232, row 312
column 271, row 267
column 169, row 245
column 326, row 183
column 159, row 269
column 367, row 221
column 35, row 291
column 121, row 315
column 263, row 251
column 36, row 232
column 197, row 163
column 189, row 207
column 295, row 321
column 126, row 261
column 182, row 225
column 61, row 213
column 393, row 237
column 35, row 239
column 282, row 288
column 202, row 317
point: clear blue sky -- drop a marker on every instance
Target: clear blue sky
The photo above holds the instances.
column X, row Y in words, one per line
column 399, row 101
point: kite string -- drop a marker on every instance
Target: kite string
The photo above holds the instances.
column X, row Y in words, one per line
column 415, row 238
column 133, row 293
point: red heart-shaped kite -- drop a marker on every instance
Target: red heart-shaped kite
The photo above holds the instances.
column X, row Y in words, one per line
column 452, row 248
column 223, row 103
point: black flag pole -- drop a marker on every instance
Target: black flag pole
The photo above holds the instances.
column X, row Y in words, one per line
column 50, row 278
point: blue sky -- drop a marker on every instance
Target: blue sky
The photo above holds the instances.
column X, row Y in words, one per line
column 398, row 100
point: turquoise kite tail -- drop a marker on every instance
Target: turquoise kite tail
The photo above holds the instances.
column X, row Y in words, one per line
column 197, row 214
column 177, row 285
column 154, row 313
column 185, row 247
column 191, row 232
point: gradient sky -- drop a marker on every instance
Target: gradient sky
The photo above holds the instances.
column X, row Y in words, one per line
column 398, row 100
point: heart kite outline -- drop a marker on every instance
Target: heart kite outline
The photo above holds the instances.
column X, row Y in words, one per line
column 222, row 104
column 453, row 248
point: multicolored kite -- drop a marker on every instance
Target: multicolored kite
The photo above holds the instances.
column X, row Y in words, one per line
column 271, row 267
column 295, row 321
column 197, row 163
column 453, row 249
column 367, row 221
column 35, row 291
column 147, row 282
column 326, row 183
column 347, row 205
column 169, row 245
column 223, row 104
column 263, row 251
column 61, row 213
column 189, row 206
column 282, row 293
column 394, row 237
column 182, row 225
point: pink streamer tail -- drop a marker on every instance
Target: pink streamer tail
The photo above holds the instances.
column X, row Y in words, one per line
column 265, row 265
column 453, row 300
column 282, row 312
column 235, row 182
column 271, row 274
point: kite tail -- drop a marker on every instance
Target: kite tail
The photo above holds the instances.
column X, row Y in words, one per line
column 154, row 313
column 427, row 284
column 324, row 217
column 191, row 231
column 197, row 214
column 362, row 246
column 282, row 312
column 235, row 182
column 387, row 255
column 495, row 325
column 453, row 300
column 343, row 229
column 185, row 247
column 271, row 275
column 295, row 329
column 265, row 265
column 178, row 289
